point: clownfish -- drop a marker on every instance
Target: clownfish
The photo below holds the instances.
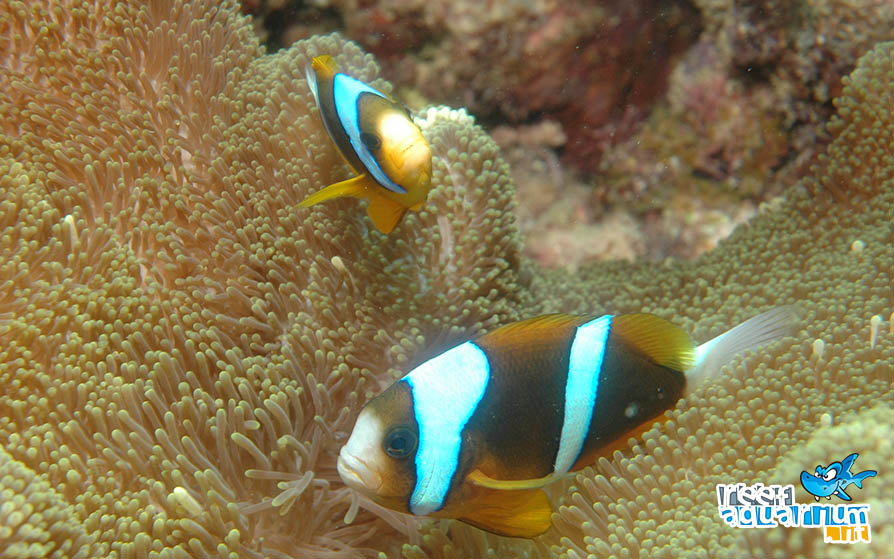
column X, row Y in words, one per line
column 379, row 141
column 475, row 432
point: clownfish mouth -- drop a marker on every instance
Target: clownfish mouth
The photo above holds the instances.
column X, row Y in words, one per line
column 357, row 474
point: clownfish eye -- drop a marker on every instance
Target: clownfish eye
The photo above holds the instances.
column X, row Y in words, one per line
column 371, row 141
column 400, row 442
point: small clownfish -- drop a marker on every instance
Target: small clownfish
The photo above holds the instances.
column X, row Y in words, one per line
column 475, row 432
column 378, row 139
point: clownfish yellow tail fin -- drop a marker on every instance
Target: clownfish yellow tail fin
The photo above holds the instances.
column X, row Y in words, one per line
column 663, row 342
column 517, row 514
column 384, row 213
column 755, row 332
column 356, row 187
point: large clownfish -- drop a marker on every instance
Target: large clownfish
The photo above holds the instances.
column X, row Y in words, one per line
column 475, row 432
column 378, row 139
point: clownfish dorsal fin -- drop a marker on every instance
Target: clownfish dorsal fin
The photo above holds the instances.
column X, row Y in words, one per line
column 325, row 64
column 479, row 478
column 539, row 328
column 663, row 342
column 384, row 213
column 356, row 187
column 517, row 514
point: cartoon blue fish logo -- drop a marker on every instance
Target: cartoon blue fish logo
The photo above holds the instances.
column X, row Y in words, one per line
column 832, row 479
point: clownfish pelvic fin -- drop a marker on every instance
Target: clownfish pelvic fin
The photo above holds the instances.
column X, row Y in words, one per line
column 479, row 478
column 384, row 213
column 516, row 514
column 711, row 356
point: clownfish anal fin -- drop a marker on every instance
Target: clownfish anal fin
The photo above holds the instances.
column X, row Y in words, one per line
column 517, row 514
column 356, row 187
column 384, row 213
column 663, row 342
column 479, row 478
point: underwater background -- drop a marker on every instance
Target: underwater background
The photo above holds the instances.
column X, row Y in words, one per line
column 183, row 351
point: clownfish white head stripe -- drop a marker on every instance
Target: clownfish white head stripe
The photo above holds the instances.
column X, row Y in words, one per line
column 475, row 432
column 348, row 93
column 440, row 425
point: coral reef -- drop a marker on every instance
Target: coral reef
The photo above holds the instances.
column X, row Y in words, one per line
column 744, row 112
column 566, row 224
column 710, row 139
column 182, row 350
column 805, row 46
column 554, row 213
column 742, row 119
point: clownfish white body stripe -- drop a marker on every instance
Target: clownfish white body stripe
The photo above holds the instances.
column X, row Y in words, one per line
column 587, row 353
column 475, row 432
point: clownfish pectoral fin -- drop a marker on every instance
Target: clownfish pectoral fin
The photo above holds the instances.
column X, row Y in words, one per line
column 481, row 479
column 384, row 213
column 517, row 514
column 356, row 187
column 417, row 207
column 758, row 330
column 663, row 342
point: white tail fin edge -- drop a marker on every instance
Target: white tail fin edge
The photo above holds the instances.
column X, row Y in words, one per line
column 758, row 330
